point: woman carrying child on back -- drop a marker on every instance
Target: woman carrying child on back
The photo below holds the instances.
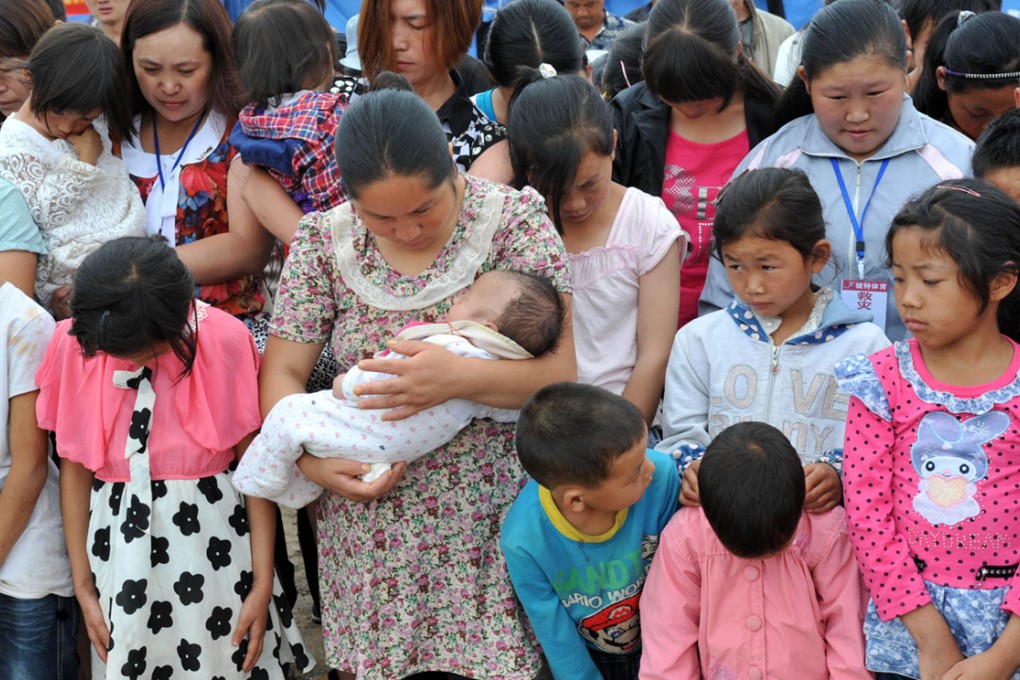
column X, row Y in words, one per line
column 56, row 150
column 860, row 141
column 770, row 355
column 624, row 244
column 932, row 468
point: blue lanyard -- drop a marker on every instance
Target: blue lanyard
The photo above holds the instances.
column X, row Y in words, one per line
column 180, row 154
column 858, row 229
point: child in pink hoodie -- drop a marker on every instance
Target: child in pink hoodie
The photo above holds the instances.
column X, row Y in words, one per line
column 749, row 585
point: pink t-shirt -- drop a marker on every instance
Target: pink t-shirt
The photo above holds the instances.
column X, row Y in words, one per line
column 931, row 477
column 694, row 174
column 196, row 421
column 605, row 283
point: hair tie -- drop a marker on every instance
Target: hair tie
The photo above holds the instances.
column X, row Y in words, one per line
column 964, row 16
column 623, row 69
column 982, row 76
column 546, row 70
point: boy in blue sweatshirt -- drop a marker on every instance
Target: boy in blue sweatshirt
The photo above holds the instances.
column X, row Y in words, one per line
column 579, row 539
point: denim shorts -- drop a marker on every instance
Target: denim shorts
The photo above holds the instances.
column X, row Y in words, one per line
column 37, row 638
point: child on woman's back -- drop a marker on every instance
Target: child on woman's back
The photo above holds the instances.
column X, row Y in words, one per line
column 505, row 314
column 623, row 243
column 579, row 539
column 932, row 468
column 770, row 355
column 286, row 53
column 750, row 585
column 56, row 151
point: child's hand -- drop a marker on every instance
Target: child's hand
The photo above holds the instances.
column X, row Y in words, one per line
column 95, row 624
column 689, row 495
column 60, row 302
column 937, row 650
column 251, row 624
column 823, row 491
column 985, row 666
column 87, row 145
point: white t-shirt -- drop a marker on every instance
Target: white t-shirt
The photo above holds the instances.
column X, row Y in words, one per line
column 605, row 283
column 37, row 566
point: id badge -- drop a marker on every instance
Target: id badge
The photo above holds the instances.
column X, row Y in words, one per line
column 868, row 296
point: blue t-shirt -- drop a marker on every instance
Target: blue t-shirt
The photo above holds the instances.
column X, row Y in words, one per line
column 17, row 229
column 581, row 591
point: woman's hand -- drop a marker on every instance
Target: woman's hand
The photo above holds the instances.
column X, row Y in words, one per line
column 341, row 477
column 823, row 490
column 252, row 624
column 426, row 378
column 95, row 623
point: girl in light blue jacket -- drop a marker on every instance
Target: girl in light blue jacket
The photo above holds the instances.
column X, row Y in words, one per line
column 860, row 141
column 770, row 355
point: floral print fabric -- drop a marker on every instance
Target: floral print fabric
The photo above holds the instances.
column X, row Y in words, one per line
column 201, row 212
column 415, row 581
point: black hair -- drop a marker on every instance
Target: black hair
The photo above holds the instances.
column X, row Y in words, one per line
column 207, row 18
column 283, row 46
column 752, row 489
column 982, row 44
column 530, row 33
column 772, row 203
column 131, row 294
column 76, row 69
column 917, row 14
column 534, row 318
column 552, row 123
column 388, row 80
column 22, row 23
column 570, row 433
column 978, row 226
column 840, row 33
column 391, row 132
column 998, row 146
column 691, row 54
column 623, row 65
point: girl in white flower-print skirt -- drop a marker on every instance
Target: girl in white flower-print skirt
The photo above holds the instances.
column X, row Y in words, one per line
column 152, row 395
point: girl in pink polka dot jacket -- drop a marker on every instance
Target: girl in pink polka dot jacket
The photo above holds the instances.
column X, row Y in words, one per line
column 931, row 468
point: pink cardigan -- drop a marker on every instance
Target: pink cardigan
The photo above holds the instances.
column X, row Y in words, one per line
column 706, row 613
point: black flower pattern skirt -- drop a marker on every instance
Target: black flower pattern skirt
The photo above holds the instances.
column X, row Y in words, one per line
column 172, row 571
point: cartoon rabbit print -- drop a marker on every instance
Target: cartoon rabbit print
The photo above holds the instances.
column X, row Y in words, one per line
column 950, row 461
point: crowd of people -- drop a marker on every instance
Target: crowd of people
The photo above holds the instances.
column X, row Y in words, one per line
column 681, row 345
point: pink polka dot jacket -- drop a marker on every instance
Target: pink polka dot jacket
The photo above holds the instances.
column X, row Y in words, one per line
column 931, row 479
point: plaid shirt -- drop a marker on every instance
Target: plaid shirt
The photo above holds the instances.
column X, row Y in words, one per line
column 300, row 154
column 612, row 27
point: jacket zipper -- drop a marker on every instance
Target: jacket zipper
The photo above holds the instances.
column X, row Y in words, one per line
column 773, row 372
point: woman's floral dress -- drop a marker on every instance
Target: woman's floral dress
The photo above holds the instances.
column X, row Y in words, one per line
column 415, row 581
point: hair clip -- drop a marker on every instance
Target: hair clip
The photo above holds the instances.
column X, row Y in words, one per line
column 726, row 187
column 964, row 16
column 979, row 76
column 546, row 70
column 965, row 190
column 623, row 69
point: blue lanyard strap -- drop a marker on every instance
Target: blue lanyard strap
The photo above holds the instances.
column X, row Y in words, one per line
column 180, row 154
column 858, row 229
